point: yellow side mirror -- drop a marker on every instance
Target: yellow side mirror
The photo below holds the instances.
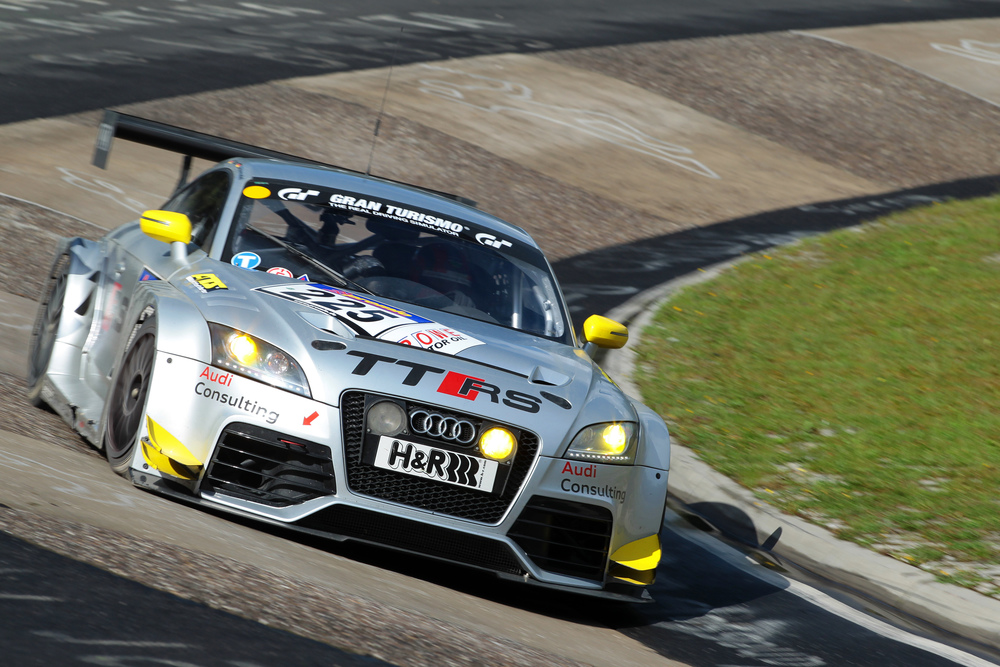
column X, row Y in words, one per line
column 166, row 226
column 603, row 332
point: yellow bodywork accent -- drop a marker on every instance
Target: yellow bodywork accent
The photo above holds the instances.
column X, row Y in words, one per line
column 604, row 332
column 164, row 452
column 166, row 226
column 256, row 192
column 627, row 574
column 642, row 554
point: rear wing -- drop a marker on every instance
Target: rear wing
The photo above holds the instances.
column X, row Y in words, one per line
column 192, row 144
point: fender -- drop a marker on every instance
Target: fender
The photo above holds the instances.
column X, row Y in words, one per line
column 181, row 329
column 85, row 263
column 654, row 447
column 63, row 388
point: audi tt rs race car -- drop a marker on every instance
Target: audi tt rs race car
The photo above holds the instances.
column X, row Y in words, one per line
column 355, row 358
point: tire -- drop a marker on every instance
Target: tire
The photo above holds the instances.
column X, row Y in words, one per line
column 129, row 393
column 43, row 333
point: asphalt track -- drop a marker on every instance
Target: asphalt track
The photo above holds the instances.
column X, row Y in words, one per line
column 604, row 279
column 57, row 611
column 711, row 610
column 64, row 56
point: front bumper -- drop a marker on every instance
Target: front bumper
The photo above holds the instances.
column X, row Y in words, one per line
column 290, row 464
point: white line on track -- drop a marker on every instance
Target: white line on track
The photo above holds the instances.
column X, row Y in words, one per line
column 824, row 601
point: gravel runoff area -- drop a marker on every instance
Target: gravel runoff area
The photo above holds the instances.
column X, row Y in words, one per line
column 835, row 104
column 845, row 107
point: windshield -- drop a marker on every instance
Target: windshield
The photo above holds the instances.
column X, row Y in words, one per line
column 394, row 251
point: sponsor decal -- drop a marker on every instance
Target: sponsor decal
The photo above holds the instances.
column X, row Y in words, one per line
column 225, row 379
column 238, row 402
column 147, row 275
column 280, row 271
column 304, row 277
column 206, row 282
column 580, row 470
column 348, row 203
column 373, row 319
column 394, row 212
column 606, row 491
column 358, row 204
column 437, row 464
column 489, row 240
column 437, row 338
column 246, row 260
column 453, row 384
column 296, row 194
column 256, row 192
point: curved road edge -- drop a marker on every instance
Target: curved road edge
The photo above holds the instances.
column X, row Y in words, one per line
column 740, row 515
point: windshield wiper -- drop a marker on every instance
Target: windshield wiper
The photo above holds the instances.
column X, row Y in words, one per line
column 309, row 259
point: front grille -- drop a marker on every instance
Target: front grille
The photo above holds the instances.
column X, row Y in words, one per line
column 413, row 536
column 565, row 537
column 267, row 467
column 427, row 494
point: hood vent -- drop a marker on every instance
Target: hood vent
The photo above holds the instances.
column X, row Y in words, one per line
column 229, row 301
column 547, row 377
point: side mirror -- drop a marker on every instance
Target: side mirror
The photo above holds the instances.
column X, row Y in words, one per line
column 170, row 227
column 600, row 331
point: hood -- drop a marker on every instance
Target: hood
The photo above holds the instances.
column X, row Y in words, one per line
column 444, row 359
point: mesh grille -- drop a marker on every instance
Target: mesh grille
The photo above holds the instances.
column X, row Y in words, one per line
column 565, row 537
column 423, row 493
column 414, row 536
column 266, row 467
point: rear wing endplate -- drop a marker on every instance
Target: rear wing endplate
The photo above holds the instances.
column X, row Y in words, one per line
column 192, row 144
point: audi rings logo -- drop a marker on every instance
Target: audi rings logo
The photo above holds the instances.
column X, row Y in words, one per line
column 434, row 425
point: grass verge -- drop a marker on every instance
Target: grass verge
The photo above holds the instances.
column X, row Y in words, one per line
column 853, row 379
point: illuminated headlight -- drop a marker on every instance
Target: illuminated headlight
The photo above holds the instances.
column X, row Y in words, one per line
column 242, row 348
column 386, row 418
column 251, row 357
column 497, row 443
column 605, row 443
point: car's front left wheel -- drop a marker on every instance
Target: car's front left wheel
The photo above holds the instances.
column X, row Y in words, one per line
column 127, row 402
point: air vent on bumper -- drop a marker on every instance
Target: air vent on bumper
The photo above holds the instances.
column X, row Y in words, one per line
column 565, row 537
column 267, row 467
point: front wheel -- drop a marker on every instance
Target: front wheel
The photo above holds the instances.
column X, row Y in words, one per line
column 46, row 327
column 127, row 402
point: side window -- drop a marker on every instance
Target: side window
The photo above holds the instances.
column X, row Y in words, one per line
column 202, row 201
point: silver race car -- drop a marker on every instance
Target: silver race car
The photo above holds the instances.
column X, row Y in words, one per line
column 354, row 358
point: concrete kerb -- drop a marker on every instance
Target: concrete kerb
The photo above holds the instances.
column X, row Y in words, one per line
column 904, row 587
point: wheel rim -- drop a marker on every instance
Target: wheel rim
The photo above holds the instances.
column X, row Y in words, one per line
column 129, row 397
column 47, row 326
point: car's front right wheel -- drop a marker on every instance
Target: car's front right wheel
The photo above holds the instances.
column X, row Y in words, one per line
column 127, row 402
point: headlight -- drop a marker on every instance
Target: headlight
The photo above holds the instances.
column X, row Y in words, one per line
column 386, row 418
column 498, row 444
column 613, row 442
column 251, row 357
